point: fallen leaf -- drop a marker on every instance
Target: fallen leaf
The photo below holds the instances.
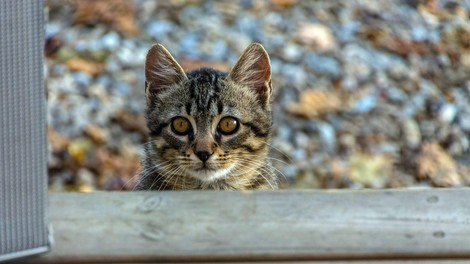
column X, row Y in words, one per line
column 280, row 4
column 314, row 103
column 131, row 122
column 58, row 142
column 78, row 149
column 316, row 35
column 119, row 14
column 435, row 164
column 97, row 134
column 383, row 39
column 370, row 170
column 90, row 67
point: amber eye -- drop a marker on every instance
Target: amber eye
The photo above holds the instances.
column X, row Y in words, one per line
column 180, row 125
column 228, row 125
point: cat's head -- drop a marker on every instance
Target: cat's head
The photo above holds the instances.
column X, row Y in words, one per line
column 208, row 124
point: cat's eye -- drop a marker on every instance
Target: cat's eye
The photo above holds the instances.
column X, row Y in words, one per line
column 180, row 125
column 228, row 125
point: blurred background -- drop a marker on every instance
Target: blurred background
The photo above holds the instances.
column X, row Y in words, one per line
column 367, row 94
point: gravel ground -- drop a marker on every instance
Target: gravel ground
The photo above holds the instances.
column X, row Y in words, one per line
column 367, row 94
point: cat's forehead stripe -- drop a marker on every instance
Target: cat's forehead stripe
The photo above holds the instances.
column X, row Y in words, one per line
column 220, row 107
column 204, row 90
column 188, row 108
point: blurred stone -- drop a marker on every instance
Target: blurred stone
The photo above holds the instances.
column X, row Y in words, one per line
column 82, row 79
column 464, row 122
column 292, row 52
column 365, row 104
column 411, row 133
column 159, row 29
column 301, row 139
column 447, row 113
column 323, row 64
column 298, row 154
column 52, row 45
column 295, row 74
column 347, row 142
column 283, row 132
column 327, row 136
column 85, row 181
column 401, row 180
column 306, row 179
column 111, row 40
column 370, row 171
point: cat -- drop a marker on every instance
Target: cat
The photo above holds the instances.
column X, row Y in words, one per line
column 208, row 130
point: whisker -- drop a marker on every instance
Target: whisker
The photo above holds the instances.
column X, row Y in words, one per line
column 260, row 164
column 278, row 150
column 146, row 172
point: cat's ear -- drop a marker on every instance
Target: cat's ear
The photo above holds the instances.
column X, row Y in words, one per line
column 161, row 71
column 253, row 70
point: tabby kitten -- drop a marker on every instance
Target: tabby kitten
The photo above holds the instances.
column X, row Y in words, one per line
column 208, row 129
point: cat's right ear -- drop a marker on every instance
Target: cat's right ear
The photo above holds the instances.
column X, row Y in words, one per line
column 253, row 70
column 161, row 72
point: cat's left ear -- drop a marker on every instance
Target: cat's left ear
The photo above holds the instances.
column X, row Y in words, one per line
column 161, row 71
column 253, row 70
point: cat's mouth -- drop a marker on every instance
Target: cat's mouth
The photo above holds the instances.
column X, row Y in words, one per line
column 208, row 174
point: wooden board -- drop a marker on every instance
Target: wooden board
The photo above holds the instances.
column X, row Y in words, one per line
column 275, row 225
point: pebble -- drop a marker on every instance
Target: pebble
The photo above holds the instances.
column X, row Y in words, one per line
column 299, row 154
column 301, row 139
column 365, row 104
column 346, row 32
column 411, row 133
column 327, row 136
column 111, row 41
column 218, row 51
column 159, row 29
column 464, row 122
column 395, row 94
column 283, row 132
column 82, row 79
column 250, row 26
column 447, row 113
column 323, row 64
column 295, row 74
column 419, row 33
column 358, row 68
column 292, row 53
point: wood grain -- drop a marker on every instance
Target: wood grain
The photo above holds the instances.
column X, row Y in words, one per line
column 276, row 225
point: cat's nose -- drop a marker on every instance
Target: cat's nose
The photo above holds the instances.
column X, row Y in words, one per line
column 203, row 155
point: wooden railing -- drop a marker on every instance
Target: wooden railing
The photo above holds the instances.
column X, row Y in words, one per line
column 390, row 225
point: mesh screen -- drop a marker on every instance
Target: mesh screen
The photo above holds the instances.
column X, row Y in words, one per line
column 23, row 186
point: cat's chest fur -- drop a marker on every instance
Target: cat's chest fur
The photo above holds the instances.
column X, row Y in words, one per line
column 209, row 130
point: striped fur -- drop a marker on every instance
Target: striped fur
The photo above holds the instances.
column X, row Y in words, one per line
column 237, row 162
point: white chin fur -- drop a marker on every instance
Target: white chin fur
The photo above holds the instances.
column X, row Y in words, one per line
column 210, row 175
